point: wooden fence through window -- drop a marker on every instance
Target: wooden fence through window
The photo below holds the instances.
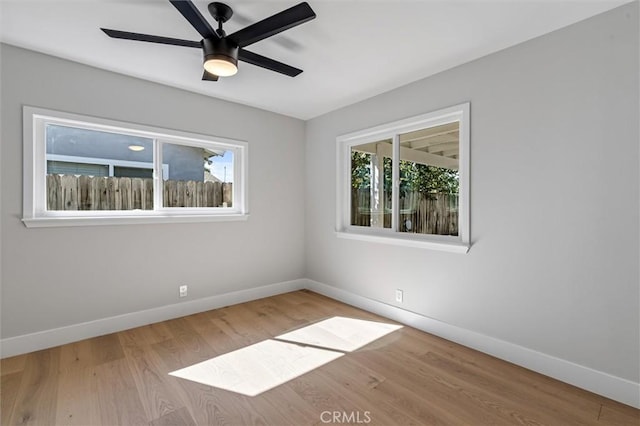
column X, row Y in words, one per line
column 420, row 213
column 71, row 192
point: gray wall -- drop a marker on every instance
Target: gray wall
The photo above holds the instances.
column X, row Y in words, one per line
column 52, row 277
column 554, row 198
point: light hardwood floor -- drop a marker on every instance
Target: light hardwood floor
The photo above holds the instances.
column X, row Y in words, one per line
column 405, row 378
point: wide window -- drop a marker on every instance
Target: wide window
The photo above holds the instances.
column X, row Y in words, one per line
column 86, row 171
column 407, row 182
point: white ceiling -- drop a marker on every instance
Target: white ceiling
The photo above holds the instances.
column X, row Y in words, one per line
column 353, row 49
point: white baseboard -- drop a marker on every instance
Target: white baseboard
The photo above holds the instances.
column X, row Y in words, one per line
column 60, row 336
column 616, row 388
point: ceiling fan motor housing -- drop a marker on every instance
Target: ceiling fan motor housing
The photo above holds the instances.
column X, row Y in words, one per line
column 220, row 49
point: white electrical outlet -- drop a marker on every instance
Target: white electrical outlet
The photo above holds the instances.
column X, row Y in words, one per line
column 183, row 291
column 399, row 295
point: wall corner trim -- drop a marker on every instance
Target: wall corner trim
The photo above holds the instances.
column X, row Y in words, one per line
column 59, row 336
column 616, row 388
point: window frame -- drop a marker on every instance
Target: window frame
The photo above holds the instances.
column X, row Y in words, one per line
column 393, row 130
column 35, row 213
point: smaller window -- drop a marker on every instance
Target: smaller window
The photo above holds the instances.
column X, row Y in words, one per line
column 407, row 182
column 86, row 171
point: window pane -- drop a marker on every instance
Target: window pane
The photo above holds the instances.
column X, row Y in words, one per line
column 133, row 172
column 197, row 177
column 81, row 165
column 371, row 184
column 69, row 168
column 429, row 180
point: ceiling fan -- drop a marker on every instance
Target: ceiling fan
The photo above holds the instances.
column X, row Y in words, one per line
column 221, row 51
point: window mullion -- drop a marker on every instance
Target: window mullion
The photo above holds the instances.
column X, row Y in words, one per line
column 158, row 177
column 395, row 178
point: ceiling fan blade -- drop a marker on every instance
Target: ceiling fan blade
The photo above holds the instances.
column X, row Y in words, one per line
column 150, row 38
column 268, row 63
column 275, row 24
column 195, row 18
column 207, row 76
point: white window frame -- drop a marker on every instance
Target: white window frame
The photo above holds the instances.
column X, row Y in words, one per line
column 35, row 213
column 458, row 244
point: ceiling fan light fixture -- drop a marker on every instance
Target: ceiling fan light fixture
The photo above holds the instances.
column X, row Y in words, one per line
column 220, row 57
column 222, row 67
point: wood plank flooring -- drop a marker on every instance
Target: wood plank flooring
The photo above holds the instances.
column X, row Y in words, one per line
column 405, row 378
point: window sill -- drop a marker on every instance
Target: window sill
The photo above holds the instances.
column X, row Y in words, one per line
column 452, row 247
column 47, row 222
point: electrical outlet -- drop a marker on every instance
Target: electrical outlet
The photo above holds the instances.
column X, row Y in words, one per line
column 399, row 295
column 183, row 291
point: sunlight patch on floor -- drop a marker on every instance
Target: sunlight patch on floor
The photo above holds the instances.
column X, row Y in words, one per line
column 257, row 368
column 262, row 366
column 340, row 333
